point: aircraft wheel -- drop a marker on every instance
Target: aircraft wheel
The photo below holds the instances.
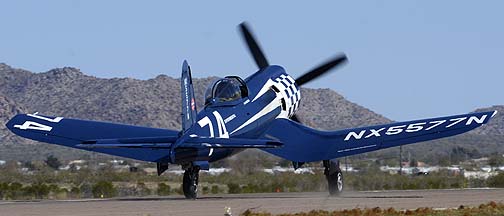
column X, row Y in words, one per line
column 190, row 183
column 335, row 182
column 334, row 177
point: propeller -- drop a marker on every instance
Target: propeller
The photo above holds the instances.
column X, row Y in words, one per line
column 254, row 48
column 262, row 62
column 316, row 72
column 322, row 69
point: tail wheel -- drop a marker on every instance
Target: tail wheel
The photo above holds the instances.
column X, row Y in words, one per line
column 190, row 183
column 334, row 177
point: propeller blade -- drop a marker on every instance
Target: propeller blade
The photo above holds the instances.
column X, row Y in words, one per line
column 322, row 69
column 254, row 48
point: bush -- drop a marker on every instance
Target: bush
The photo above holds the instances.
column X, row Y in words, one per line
column 53, row 162
column 215, row 189
column 233, row 188
column 86, row 190
column 4, row 187
column 142, row 189
column 205, row 190
column 163, row 189
column 104, row 189
column 496, row 181
column 14, row 191
column 38, row 190
column 75, row 192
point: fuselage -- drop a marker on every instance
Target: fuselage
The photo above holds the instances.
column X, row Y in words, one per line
column 272, row 94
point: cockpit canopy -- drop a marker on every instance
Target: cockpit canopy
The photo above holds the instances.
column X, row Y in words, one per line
column 230, row 88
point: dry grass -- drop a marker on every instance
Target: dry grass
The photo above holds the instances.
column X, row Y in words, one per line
column 491, row 208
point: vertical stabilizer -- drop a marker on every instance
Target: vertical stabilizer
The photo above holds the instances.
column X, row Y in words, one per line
column 188, row 102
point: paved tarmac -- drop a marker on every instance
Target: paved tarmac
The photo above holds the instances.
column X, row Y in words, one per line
column 271, row 202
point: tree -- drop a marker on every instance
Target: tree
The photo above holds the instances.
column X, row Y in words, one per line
column 53, row 162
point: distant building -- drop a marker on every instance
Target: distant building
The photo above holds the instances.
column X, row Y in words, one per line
column 116, row 161
column 77, row 162
column 121, row 168
column 478, row 174
column 278, row 169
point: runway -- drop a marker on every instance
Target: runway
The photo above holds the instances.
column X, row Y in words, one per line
column 271, row 202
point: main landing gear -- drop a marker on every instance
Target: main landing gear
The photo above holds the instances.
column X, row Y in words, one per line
column 190, row 182
column 334, row 177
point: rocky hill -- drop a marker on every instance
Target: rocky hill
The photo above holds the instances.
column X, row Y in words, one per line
column 8, row 108
column 155, row 102
column 494, row 127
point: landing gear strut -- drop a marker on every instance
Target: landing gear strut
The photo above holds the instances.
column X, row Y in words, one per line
column 334, row 177
column 190, row 182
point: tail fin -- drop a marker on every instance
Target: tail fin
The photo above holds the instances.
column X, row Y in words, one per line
column 188, row 104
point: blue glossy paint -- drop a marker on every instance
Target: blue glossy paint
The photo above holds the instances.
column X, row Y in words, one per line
column 258, row 118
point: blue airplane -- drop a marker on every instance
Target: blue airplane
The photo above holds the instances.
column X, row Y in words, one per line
column 256, row 112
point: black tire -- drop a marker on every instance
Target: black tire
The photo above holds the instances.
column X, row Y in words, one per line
column 335, row 183
column 190, row 183
column 334, row 177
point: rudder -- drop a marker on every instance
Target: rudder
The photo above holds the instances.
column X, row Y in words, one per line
column 189, row 110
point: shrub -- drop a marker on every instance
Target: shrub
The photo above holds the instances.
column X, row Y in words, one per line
column 205, row 190
column 38, row 190
column 142, row 189
column 104, row 189
column 4, row 187
column 233, row 188
column 53, row 162
column 75, row 192
column 86, row 190
column 496, row 181
column 215, row 189
column 163, row 189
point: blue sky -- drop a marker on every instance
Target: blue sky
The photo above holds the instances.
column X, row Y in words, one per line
column 408, row 59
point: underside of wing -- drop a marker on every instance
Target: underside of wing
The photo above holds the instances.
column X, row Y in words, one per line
column 141, row 143
column 74, row 132
column 301, row 143
column 191, row 142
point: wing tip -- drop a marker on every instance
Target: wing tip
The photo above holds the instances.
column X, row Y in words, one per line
column 494, row 113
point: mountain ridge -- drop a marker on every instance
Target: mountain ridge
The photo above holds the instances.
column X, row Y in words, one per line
column 153, row 102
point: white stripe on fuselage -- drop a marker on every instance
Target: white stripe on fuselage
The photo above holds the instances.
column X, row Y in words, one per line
column 291, row 105
column 267, row 109
column 264, row 89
